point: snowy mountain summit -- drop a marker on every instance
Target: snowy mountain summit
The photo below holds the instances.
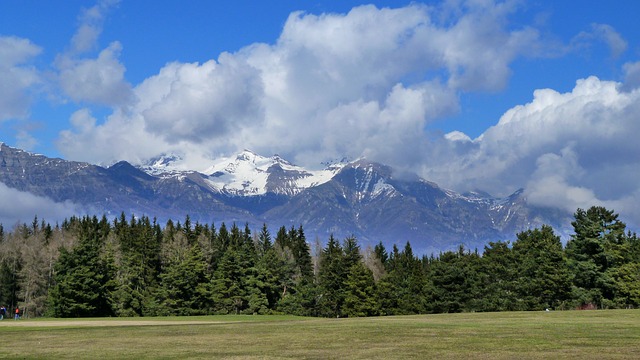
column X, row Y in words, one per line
column 358, row 198
column 247, row 174
column 164, row 163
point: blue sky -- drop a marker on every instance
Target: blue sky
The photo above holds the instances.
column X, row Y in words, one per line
column 493, row 95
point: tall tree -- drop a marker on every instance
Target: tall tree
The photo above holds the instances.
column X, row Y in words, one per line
column 10, row 268
column 597, row 247
column 185, row 286
column 360, row 292
column 455, row 281
column 331, row 278
column 81, row 279
column 498, row 276
column 543, row 279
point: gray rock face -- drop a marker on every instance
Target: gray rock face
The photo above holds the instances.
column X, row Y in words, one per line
column 362, row 199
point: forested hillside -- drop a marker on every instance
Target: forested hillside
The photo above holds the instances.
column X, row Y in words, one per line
column 137, row 267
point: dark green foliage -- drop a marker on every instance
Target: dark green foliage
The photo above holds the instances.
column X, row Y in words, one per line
column 236, row 285
column 360, row 292
column 597, row 249
column 184, row 286
column 82, row 284
column 136, row 261
column 455, row 282
column 331, row 277
column 133, row 267
column 498, row 276
column 408, row 282
column 542, row 279
column 381, row 254
column 10, row 267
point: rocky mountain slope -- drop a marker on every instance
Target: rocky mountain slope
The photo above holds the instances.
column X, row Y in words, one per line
column 358, row 198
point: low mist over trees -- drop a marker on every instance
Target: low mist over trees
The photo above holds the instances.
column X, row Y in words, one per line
column 93, row 266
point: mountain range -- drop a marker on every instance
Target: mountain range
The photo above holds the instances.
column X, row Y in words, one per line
column 359, row 198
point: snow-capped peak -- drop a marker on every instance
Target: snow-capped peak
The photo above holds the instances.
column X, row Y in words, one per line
column 163, row 163
column 251, row 174
column 246, row 173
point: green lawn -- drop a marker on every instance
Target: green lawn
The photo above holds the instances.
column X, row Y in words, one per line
column 612, row 334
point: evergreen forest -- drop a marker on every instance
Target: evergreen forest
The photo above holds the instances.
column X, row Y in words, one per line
column 125, row 267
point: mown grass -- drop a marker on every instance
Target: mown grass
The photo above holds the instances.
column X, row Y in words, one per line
column 613, row 334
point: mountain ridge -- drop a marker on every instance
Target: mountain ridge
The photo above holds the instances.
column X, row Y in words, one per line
column 360, row 198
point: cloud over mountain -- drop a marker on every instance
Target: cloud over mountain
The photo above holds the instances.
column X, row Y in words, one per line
column 571, row 149
column 369, row 82
column 365, row 82
column 24, row 205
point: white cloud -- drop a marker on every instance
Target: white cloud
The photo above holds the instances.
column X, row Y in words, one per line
column 572, row 149
column 125, row 135
column 368, row 83
column 457, row 136
column 600, row 33
column 90, row 26
column 99, row 80
column 611, row 37
column 24, row 206
column 550, row 183
column 25, row 141
column 362, row 83
column 201, row 103
column 17, row 76
column 631, row 76
column 94, row 80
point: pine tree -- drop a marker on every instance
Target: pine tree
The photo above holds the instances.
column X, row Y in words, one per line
column 302, row 254
column 351, row 251
column 598, row 246
column 282, row 238
column 331, row 278
column 498, row 276
column 543, row 277
column 136, row 259
column 185, row 286
column 228, row 288
column 10, row 268
column 360, row 292
column 456, row 281
column 81, row 285
column 264, row 240
column 407, row 276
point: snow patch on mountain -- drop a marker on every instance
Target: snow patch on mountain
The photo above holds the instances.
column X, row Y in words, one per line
column 162, row 164
column 249, row 174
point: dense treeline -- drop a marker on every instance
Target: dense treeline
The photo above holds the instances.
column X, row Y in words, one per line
column 134, row 267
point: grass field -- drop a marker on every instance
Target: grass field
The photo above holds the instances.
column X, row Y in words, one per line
column 612, row 334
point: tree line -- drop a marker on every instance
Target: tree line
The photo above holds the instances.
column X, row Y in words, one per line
column 134, row 267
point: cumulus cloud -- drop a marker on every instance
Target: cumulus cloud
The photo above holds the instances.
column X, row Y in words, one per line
column 17, row 76
column 201, row 102
column 94, row 80
column 362, row 83
column 553, row 182
column 631, row 76
column 369, row 82
column 99, row 80
column 126, row 135
column 24, row 206
column 570, row 150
